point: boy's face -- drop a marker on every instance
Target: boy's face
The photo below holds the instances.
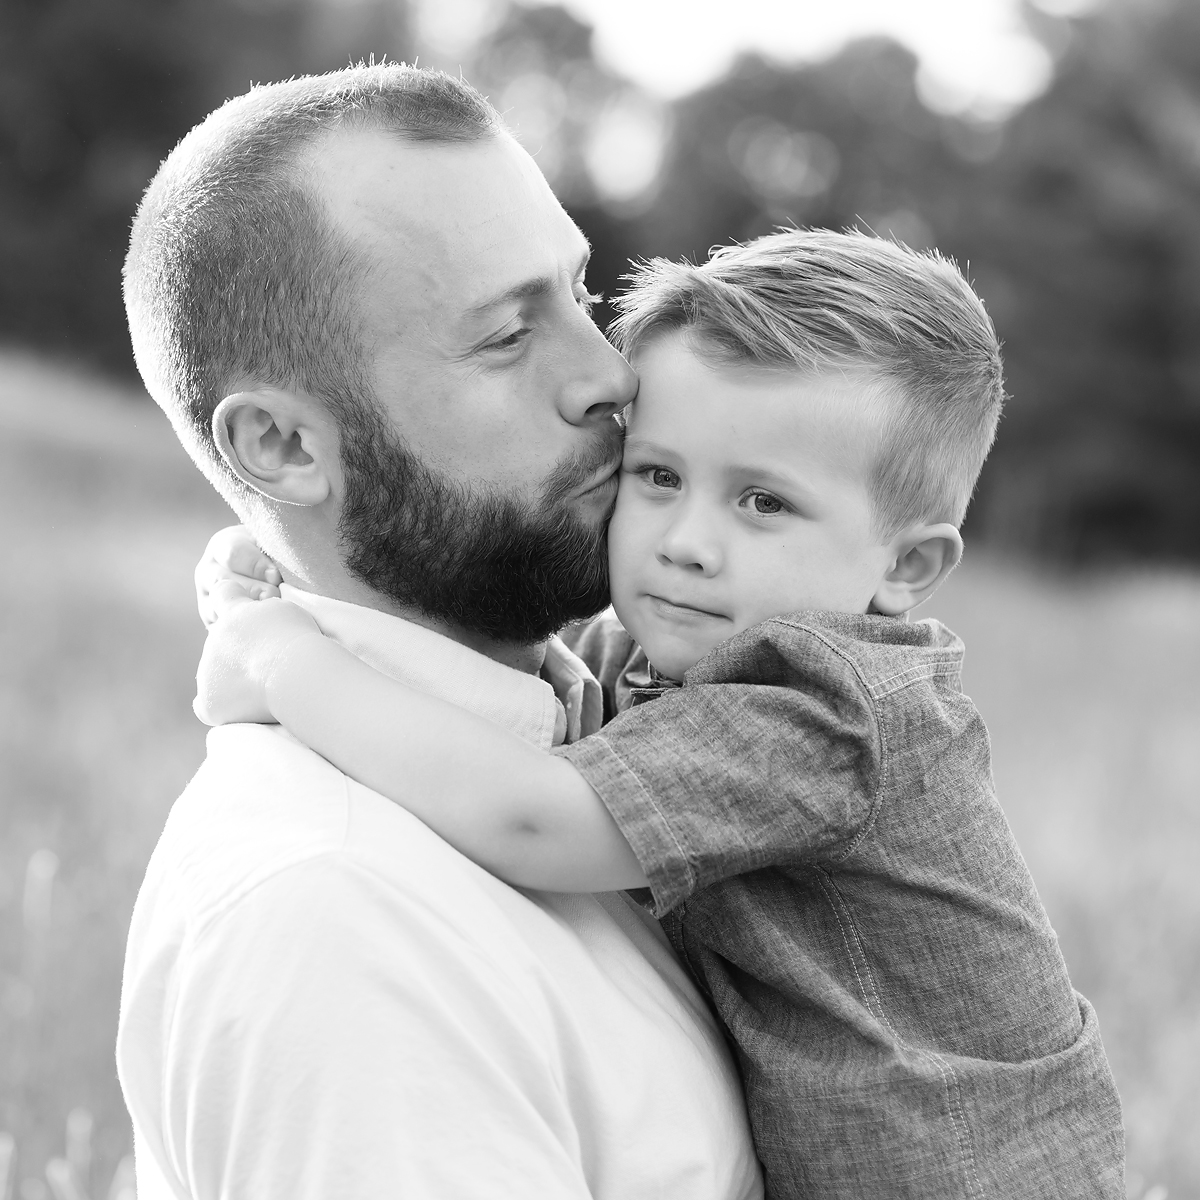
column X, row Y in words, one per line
column 743, row 496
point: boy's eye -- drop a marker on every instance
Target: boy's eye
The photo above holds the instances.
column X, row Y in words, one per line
column 663, row 478
column 765, row 504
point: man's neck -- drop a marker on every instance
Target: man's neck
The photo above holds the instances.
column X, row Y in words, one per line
column 520, row 657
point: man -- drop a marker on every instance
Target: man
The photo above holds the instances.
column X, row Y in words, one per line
column 364, row 311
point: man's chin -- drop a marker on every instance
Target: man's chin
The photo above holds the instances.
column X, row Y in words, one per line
column 489, row 566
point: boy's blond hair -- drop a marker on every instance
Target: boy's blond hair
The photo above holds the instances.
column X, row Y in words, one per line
column 814, row 301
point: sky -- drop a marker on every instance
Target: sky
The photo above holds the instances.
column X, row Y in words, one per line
column 976, row 55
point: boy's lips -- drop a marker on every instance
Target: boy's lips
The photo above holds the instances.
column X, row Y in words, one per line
column 677, row 610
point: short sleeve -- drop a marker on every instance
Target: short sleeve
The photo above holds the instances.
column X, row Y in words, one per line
column 768, row 755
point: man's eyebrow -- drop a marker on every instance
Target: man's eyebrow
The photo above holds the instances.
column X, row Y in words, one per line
column 527, row 289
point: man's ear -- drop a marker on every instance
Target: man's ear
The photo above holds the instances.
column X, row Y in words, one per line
column 279, row 443
column 925, row 555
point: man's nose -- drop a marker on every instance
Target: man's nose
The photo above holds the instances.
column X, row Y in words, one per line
column 599, row 382
column 690, row 541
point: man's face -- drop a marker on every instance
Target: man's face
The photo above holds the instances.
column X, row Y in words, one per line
column 488, row 370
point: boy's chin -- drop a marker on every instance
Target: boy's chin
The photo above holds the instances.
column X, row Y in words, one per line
column 670, row 655
column 669, row 659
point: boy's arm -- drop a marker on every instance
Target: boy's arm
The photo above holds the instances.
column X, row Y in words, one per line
column 526, row 816
column 769, row 756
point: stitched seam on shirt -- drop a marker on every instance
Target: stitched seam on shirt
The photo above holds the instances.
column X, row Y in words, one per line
column 947, row 662
column 876, row 800
column 880, row 791
column 834, row 899
column 915, row 674
column 957, row 1119
column 875, row 1004
column 689, row 870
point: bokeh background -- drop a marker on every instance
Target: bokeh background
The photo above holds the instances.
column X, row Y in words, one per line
column 1053, row 148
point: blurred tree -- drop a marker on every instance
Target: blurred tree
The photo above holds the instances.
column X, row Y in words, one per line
column 93, row 94
column 842, row 142
column 537, row 66
column 1084, row 233
column 1079, row 219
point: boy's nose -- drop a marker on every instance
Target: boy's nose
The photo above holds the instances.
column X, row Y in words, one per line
column 689, row 542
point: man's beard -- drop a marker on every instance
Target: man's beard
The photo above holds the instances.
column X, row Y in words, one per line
column 485, row 564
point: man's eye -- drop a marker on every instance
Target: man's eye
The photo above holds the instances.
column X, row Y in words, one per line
column 663, row 478
column 765, row 504
column 509, row 340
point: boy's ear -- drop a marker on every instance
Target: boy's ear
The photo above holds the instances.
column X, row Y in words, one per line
column 281, row 444
column 924, row 557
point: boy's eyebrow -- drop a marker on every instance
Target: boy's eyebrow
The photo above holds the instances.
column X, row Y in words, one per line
column 638, row 445
column 754, row 473
column 528, row 289
column 761, row 474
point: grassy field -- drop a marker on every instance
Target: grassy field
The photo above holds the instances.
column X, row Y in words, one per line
column 1088, row 683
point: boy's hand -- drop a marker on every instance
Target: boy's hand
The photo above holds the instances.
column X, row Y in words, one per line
column 232, row 554
column 242, row 648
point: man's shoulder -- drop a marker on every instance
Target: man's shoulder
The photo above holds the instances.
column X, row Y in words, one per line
column 261, row 808
column 259, row 803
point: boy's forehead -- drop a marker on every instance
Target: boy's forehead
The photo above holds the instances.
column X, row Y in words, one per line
column 680, row 379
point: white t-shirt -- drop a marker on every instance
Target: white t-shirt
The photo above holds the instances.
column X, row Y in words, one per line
column 324, row 999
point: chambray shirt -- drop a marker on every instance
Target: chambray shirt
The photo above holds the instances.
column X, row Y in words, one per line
column 815, row 814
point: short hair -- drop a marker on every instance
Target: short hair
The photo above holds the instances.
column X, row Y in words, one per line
column 235, row 270
column 816, row 300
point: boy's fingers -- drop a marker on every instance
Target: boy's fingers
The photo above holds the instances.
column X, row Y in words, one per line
column 210, row 573
column 227, row 594
column 233, row 549
column 245, row 558
column 248, row 559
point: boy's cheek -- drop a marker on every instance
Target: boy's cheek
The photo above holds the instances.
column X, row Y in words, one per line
column 623, row 585
column 621, row 590
column 625, row 535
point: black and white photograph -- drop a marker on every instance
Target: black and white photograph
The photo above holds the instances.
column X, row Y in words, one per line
column 602, row 600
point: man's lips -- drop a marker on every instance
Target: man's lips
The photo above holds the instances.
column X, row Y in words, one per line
column 598, row 479
column 584, row 472
column 677, row 610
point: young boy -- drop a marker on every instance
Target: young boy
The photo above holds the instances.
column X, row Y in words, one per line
column 794, row 777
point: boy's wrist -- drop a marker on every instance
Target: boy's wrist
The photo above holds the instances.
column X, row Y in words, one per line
column 281, row 666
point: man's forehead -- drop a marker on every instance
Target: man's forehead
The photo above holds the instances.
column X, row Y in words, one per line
column 474, row 215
